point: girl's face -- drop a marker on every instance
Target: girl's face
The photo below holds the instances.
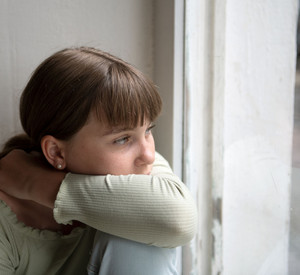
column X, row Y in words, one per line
column 99, row 150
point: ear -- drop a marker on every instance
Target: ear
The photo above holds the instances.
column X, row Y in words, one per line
column 53, row 150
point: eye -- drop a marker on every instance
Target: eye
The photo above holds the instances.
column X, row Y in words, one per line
column 149, row 130
column 122, row 140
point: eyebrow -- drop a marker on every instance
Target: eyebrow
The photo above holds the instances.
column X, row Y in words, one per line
column 113, row 131
column 117, row 130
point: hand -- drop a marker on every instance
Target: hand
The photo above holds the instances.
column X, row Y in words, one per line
column 30, row 177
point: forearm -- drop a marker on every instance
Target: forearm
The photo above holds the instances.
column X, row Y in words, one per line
column 30, row 177
column 46, row 192
column 156, row 209
column 147, row 209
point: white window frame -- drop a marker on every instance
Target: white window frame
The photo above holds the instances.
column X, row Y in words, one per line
column 200, row 51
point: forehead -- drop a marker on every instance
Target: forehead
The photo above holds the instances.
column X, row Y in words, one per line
column 106, row 128
column 119, row 117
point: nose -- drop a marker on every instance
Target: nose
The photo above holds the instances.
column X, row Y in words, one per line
column 146, row 153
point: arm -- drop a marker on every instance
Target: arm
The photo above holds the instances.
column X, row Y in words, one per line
column 29, row 177
column 156, row 209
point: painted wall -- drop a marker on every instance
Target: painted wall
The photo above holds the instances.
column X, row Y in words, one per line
column 32, row 30
column 258, row 122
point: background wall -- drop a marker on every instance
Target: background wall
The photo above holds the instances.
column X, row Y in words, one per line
column 32, row 30
column 141, row 32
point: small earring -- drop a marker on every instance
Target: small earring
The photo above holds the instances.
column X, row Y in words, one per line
column 59, row 166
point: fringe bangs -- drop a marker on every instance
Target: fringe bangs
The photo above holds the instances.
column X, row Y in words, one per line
column 129, row 98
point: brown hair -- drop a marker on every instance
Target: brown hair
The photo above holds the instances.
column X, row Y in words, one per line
column 69, row 84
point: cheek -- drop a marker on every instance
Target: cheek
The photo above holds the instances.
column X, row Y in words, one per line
column 153, row 142
column 83, row 159
column 119, row 164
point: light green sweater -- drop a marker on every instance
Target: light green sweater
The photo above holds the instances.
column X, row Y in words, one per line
column 156, row 210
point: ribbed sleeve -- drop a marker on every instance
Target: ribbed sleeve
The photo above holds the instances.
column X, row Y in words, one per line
column 156, row 209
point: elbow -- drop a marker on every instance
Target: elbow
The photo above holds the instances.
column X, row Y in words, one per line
column 183, row 226
column 187, row 227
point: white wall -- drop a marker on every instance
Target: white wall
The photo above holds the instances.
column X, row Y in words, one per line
column 141, row 32
column 32, row 30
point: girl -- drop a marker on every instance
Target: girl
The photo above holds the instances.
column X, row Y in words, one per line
column 90, row 113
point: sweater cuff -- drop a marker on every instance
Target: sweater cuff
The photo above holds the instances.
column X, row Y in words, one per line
column 60, row 203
